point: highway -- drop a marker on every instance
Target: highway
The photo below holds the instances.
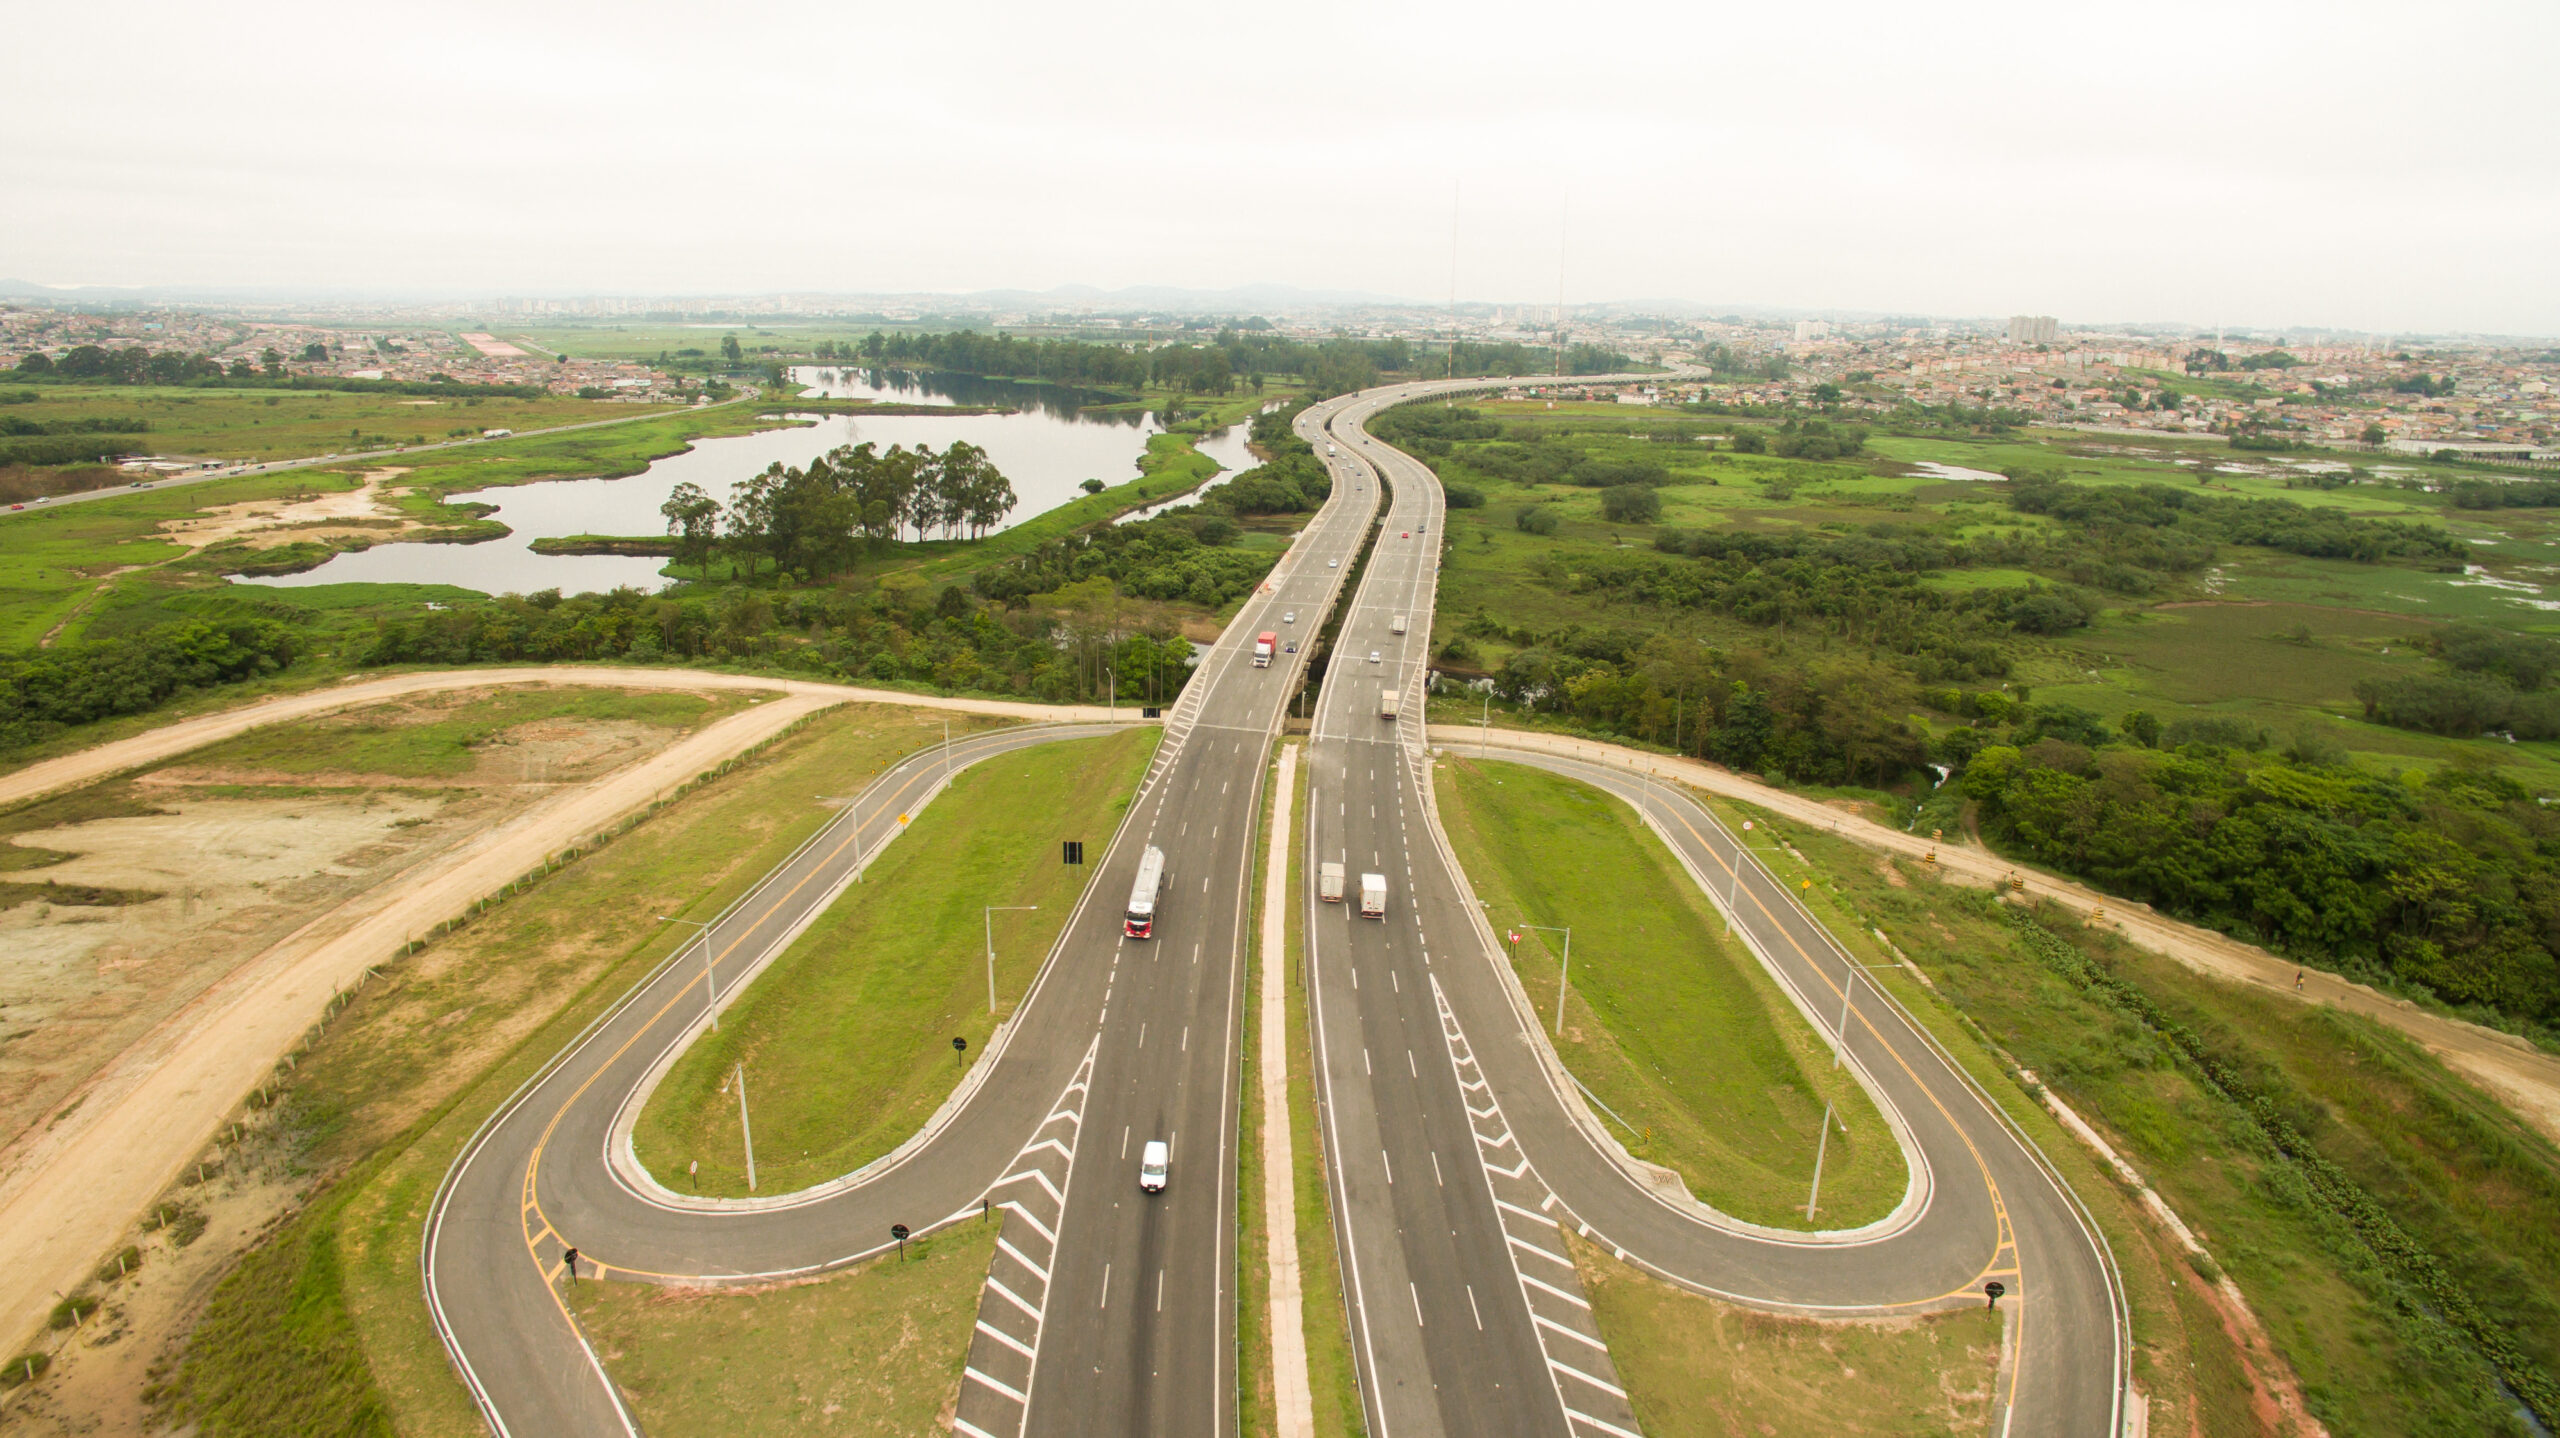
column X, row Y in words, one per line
column 1448, row 1198
column 1456, row 1148
column 1104, row 1312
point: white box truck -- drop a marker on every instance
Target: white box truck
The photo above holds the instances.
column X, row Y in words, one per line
column 1398, row 626
column 1373, row 896
column 1329, row 883
column 1388, row 702
column 1142, row 895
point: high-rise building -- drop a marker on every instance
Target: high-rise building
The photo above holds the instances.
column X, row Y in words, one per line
column 1813, row 329
column 2033, row 329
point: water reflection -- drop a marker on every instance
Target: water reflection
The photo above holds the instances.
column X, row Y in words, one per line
column 1045, row 453
column 940, row 387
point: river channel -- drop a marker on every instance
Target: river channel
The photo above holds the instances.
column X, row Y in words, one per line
column 1044, row 441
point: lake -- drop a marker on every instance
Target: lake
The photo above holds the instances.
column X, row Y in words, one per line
column 1046, row 445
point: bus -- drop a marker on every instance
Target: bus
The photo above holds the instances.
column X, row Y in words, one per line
column 1142, row 896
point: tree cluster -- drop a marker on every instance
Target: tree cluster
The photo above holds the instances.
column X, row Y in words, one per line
column 819, row 519
column 134, row 364
column 2448, row 882
column 942, row 639
column 48, row 690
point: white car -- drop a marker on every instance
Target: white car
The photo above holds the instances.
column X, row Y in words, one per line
column 1289, row 618
column 1154, row 1165
column 1333, row 564
column 1373, row 656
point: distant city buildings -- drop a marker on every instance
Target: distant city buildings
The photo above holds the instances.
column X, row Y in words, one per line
column 1813, row 329
column 2033, row 329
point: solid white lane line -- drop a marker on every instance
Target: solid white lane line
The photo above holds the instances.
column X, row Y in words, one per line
column 1417, row 1305
column 1435, row 1169
column 1016, row 1299
column 1106, row 1287
column 1159, row 1290
column 1007, row 1389
column 1573, row 1299
column 1390, row 1165
column 1478, row 1312
column 1007, row 1339
column 1034, row 1220
column 1573, row 1333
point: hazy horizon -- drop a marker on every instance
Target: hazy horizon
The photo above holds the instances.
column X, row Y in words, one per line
column 2326, row 167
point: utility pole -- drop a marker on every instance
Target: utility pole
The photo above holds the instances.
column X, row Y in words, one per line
column 1564, row 218
column 990, row 917
column 1565, row 981
column 710, row 1000
column 1819, row 1149
column 743, row 1131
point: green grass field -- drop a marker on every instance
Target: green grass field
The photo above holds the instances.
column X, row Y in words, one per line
column 436, row 736
column 1657, row 987
column 399, row 1081
column 876, row 1350
column 846, row 1039
column 2460, row 1174
column 297, row 424
column 1697, row 1368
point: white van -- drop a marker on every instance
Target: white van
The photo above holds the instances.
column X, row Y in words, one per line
column 1152, row 1164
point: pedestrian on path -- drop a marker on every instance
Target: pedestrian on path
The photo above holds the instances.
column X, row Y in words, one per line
column 2297, row 981
column 569, row 1260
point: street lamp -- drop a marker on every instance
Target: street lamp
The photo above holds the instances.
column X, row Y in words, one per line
column 1566, row 979
column 990, row 917
column 1733, row 885
column 709, row 1000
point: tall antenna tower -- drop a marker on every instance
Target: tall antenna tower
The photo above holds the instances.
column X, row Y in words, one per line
column 1453, row 289
column 1564, row 219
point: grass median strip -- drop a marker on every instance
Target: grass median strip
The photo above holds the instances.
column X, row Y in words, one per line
column 1697, row 1368
column 875, row 1350
column 1701, row 1062
column 846, row 1039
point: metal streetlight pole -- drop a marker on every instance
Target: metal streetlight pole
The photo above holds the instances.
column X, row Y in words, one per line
column 710, row 1001
column 1819, row 1149
column 745, row 1132
column 1111, row 690
column 1565, row 981
column 990, row 917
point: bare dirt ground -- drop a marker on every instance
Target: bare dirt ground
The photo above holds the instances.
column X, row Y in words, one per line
column 2516, row 1073
column 363, row 511
column 239, row 860
column 73, row 1184
column 178, row 738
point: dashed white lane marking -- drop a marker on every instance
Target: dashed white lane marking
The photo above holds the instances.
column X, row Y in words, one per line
column 1004, row 1350
column 1522, row 1206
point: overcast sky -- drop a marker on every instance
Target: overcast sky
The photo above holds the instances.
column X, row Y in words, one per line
column 2339, row 164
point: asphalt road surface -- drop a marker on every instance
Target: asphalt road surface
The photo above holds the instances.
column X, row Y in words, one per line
column 1106, row 1312
column 1455, row 1147
column 1465, row 1321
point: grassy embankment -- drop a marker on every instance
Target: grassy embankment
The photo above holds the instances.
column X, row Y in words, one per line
column 875, row 1350
column 1333, row 1380
column 320, row 1329
column 846, row 1039
column 2459, row 1177
column 1696, row 1368
column 1656, row 986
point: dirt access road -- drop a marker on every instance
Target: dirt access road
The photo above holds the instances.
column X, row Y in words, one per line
column 71, row 1192
column 2524, row 1078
